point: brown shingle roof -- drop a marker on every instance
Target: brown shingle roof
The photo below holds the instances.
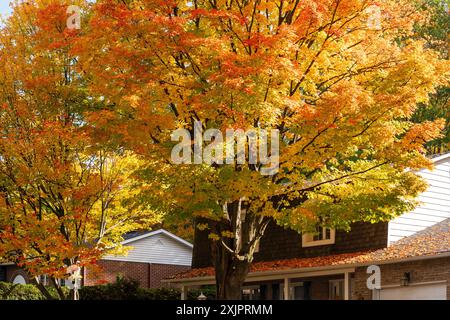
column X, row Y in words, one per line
column 434, row 240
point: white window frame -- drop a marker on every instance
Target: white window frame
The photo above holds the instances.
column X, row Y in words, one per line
column 308, row 239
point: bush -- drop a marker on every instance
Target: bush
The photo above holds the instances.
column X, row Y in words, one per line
column 128, row 289
column 122, row 289
column 9, row 291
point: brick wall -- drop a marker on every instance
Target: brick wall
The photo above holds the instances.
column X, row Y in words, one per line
column 163, row 271
column 421, row 271
column 148, row 275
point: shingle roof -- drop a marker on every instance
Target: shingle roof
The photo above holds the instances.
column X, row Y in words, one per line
column 134, row 234
column 432, row 241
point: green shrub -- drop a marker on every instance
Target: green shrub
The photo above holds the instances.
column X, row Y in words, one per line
column 122, row 289
column 9, row 291
column 128, row 289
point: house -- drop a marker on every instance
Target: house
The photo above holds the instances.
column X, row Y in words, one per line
column 411, row 251
column 154, row 255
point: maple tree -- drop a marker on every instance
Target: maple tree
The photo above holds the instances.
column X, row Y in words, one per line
column 340, row 86
column 340, row 90
column 435, row 31
column 65, row 196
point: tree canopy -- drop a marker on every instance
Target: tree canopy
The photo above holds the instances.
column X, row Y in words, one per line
column 339, row 80
column 64, row 197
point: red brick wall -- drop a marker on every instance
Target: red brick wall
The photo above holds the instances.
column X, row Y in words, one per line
column 148, row 275
column 421, row 271
column 163, row 271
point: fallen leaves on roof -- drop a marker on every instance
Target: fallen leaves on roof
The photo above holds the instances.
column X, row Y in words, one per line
column 434, row 240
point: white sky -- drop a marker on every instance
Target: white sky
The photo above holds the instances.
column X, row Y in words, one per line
column 4, row 7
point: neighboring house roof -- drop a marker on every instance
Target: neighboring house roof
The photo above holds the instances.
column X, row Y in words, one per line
column 429, row 243
column 156, row 247
column 138, row 235
column 134, row 234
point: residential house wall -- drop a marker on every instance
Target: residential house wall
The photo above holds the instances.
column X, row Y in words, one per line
column 149, row 275
column 279, row 243
column 158, row 249
column 434, row 207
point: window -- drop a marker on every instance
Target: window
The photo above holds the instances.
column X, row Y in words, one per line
column 19, row 279
column 322, row 236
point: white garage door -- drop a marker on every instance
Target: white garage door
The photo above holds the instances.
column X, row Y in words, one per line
column 437, row 291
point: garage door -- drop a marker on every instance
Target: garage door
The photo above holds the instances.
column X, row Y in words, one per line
column 436, row 291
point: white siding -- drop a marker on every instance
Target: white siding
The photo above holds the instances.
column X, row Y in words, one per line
column 159, row 249
column 435, row 205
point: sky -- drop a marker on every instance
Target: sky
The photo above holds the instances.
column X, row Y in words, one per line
column 4, row 7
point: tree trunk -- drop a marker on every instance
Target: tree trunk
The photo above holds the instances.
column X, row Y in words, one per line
column 232, row 250
column 59, row 290
column 230, row 274
column 41, row 288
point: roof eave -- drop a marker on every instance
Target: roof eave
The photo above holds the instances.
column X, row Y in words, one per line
column 441, row 157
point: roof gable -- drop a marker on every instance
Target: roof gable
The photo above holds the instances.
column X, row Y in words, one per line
column 154, row 233
column 156, row 247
